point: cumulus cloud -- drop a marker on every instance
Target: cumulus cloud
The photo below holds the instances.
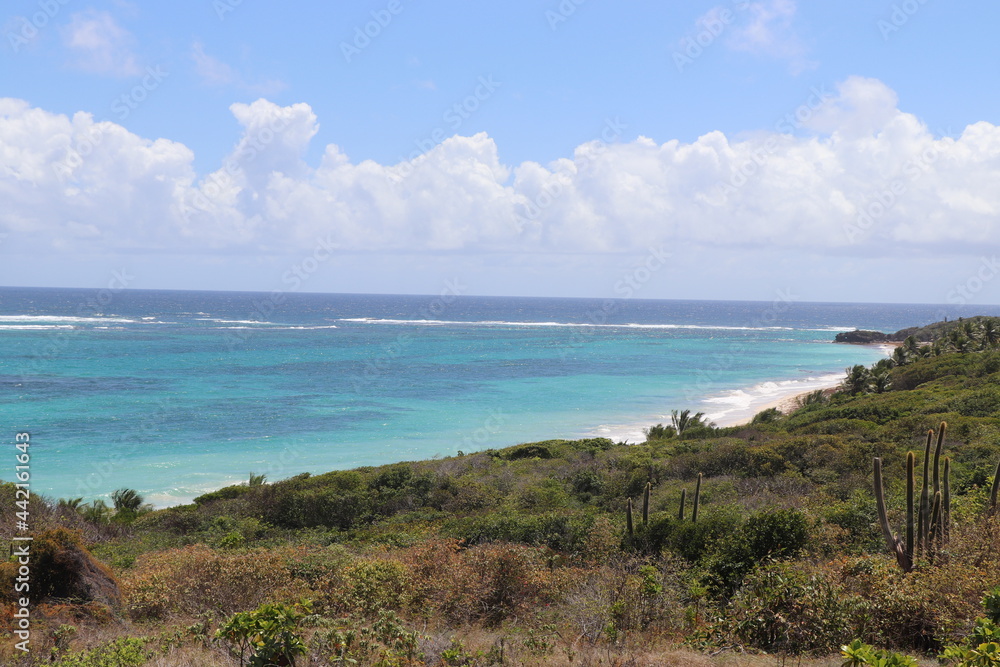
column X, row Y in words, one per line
column 99, row 45
column 768, row 29
column 859, row 177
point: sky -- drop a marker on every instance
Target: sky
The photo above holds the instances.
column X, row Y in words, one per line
column 736, row 149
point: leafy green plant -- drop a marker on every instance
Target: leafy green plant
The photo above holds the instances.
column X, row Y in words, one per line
column 991, row 602
column 859, row 654
column 124, row 652
column 265, row 636
column 981, row 649
column 386, row 643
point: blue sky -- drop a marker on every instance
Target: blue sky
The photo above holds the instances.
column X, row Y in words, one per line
column 726, row 150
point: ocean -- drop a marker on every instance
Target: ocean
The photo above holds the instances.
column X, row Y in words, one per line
column 178, row 393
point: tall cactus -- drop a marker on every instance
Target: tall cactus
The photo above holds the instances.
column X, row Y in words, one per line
column 628, row 519
column 995, row 489
column 645, row 504
column 946, row 499
column 697, row 499
column 680, row 512
column 933, row 515
column 909, row 502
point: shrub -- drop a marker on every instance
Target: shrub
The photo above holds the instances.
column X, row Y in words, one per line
column 693, row 540
column 782, row 608
column 197, row 579
column 859, row 654
column 124, row 652
column 771, row 534
column 371, row 586
column 385, row 642
column 513, row 578
column 266, row 636
column 561, row 532
column 62, row 568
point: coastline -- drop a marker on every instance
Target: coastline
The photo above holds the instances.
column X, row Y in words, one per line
column 737, row 407
column 787, row 394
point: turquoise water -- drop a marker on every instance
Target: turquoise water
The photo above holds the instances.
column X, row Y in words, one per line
column 178, row 393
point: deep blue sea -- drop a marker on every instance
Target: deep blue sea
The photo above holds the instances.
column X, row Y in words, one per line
column 177, row 393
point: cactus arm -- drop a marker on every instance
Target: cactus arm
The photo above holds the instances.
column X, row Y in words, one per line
column 892, row 542
column 937, row 457
column 935, row 534
column 628, row 519
column 923, row 520
column 946, row 499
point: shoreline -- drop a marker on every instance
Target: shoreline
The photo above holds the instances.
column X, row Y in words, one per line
column 737, row 407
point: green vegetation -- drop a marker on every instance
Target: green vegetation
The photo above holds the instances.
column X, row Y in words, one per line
column 766, row 537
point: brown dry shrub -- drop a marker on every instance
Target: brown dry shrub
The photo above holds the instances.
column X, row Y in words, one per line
column 61, row 568
column 922, row 610
column 365, row 587
column 488, row 583
column 197, row 579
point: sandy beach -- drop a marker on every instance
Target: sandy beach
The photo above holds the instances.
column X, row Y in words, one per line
column 736, row 407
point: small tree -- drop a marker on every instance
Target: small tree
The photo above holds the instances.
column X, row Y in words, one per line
column 267, row 636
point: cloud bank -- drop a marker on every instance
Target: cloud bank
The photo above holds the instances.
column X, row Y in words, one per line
column 852, row 174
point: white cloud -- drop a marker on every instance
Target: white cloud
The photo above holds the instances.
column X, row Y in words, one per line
column 867, row 180
column 99, row 45
column 767, row 28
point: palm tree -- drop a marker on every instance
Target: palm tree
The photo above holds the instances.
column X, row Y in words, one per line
column 900, row 356
column 96, row 511
column 960, row 342
column 684, row 420
column 257, row 480
column 858, row 380
column 72, row 504
column 881, row 382
column 989, row 333
column 126, row 501
column 659, row 432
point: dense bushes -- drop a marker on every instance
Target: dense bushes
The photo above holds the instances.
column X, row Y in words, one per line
column 532, row 541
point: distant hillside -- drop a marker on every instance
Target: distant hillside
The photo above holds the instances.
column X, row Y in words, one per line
column 925, row 334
